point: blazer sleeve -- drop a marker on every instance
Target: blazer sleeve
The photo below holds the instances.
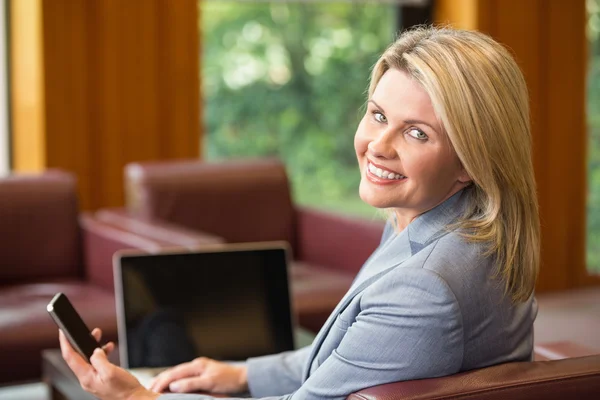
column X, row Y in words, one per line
column 409, row 327
column 277, row 374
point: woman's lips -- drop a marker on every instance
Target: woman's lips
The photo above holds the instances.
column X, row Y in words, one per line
column 382, row 176
column 382, row 172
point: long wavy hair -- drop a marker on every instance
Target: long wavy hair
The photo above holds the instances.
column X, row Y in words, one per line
column 480, row 97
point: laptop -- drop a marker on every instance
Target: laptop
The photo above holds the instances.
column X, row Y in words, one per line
column 226, row 302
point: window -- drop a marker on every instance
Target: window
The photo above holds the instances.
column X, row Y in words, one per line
column 289, row 79
column 4, row 126
column 593, row 115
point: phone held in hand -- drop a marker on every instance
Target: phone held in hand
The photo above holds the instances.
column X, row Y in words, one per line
column 68, row 320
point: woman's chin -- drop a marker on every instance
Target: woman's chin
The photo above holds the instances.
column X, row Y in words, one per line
column 373, row 201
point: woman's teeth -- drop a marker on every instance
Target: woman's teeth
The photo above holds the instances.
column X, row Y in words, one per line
column 383, row 173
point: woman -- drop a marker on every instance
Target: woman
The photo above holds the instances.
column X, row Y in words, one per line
column 444, row 148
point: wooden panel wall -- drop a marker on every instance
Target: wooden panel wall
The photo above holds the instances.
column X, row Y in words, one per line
column 27, row 104
column 113, row 82
column 547, row 37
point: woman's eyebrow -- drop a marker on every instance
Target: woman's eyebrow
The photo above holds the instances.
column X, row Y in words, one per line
column 418, row 121
column 376, row 105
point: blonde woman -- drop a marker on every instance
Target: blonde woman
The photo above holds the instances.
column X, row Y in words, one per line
column 444, row 148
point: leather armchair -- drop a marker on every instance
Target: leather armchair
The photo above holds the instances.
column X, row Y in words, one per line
column 47, row 246
column 562, row 370
column 250, row 201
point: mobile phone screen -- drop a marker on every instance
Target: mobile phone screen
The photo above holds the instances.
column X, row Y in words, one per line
column 69, row 321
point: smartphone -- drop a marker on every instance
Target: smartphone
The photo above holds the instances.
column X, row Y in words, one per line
column 68, row 320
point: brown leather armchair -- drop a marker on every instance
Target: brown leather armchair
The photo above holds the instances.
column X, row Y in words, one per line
column 249, row 201
column 562, row 370
column 47, row 246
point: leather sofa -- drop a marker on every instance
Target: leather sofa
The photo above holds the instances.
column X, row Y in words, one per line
column 562, row 370
column 250, row 201
column 46, row 247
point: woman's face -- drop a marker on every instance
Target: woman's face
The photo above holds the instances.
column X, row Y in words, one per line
column 406, row 160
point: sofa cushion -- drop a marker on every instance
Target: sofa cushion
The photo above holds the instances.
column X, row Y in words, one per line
column 26, row 328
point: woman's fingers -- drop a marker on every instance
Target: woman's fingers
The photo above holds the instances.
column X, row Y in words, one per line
column 189, row 385
column 185, row 370
column 108, row 348
column 97, row 334
column 214, row 376
column 101, row 364
column 162, row 381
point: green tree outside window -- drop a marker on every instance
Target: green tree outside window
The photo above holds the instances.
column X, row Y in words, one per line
column 289, row 79
column 593, row 113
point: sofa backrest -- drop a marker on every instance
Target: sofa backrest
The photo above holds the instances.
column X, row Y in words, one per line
column 240, row 201
column 39, row 234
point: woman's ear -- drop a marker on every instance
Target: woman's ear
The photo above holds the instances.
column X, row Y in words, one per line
column 464, row 177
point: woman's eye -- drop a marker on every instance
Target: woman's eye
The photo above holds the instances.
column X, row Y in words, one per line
column 379, row 117
column 417, row 134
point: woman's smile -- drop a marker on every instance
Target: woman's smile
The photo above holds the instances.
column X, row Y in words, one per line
column 380, row 175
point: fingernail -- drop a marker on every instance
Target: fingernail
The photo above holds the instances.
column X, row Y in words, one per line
column 174, row 387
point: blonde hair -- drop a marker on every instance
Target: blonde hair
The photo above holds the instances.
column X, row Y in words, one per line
column 480, row 97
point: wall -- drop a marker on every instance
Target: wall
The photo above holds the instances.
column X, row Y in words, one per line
column 100, row 83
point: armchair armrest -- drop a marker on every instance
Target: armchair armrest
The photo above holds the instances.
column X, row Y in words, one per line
column 341, row 242
column 100, row 242
column 107, row 231
column 561, row 379
column 156, row 229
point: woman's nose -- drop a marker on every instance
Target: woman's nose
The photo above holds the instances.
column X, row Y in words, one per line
column 381, row 146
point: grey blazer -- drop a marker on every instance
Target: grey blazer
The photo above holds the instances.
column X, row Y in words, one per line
column 426, row 303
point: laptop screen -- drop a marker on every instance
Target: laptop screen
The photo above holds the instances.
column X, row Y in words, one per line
column 226, row 304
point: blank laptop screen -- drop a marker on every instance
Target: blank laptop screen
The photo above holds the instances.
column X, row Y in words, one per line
column 226, row 305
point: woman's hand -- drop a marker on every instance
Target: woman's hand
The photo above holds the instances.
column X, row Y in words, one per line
column 103, row 379
column 97, row 334
column 202, row 374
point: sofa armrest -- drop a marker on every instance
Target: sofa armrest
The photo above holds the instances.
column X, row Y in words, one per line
column 340, row 242
column 160, row 230
column 561, row 379
column 100, row 242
